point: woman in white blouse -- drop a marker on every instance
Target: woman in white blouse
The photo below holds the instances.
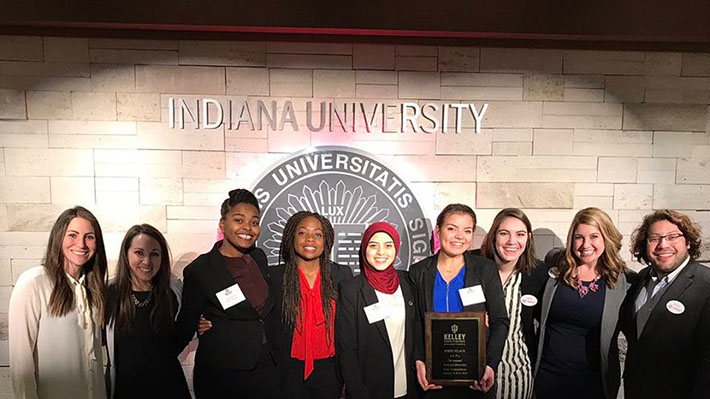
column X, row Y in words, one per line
column 56, row 313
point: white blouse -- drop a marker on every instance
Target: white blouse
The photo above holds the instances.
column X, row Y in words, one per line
column 53, row 357
column 395, row 324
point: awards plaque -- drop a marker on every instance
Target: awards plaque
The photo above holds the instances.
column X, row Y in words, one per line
column 455, row 347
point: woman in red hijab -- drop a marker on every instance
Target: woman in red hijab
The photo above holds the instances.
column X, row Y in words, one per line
column 375, row 325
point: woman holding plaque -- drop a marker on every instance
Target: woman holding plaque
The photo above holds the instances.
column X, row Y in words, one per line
column 56, row 312
column 580, row 308
column 230, row 285
column 455, row 280
column 510, row 244
column 376, row 328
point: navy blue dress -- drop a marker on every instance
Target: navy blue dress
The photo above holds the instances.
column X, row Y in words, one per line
column 571, row 356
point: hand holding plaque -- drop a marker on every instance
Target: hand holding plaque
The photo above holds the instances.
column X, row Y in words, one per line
column 455, row 347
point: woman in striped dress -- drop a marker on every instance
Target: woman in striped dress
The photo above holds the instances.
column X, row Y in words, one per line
column 510, row 244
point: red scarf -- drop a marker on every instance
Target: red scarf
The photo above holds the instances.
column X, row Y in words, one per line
column 311, row 340
column 385, row 281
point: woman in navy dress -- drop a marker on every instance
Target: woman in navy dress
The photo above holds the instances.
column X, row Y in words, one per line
column 580, row 308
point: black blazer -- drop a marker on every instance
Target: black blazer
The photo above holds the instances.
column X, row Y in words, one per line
column 671, row 357
column 364, row 350
column 235, row 339
column 339, row 274
column 533, row 283
column 479, row 271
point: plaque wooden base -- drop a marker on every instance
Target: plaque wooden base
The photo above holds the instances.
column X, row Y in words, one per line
column 455, row 347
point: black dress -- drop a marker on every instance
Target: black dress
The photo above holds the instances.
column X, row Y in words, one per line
column 571, row 359
column 146, row 365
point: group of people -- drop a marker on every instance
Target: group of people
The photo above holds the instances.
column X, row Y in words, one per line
column 308, row 329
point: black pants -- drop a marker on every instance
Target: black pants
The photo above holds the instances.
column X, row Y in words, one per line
column 453, row 393
column 322, row 383
column 260, row 382
column 549, row 385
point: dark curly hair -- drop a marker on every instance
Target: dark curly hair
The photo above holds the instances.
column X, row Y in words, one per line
column 238, row 196
column 691, row 232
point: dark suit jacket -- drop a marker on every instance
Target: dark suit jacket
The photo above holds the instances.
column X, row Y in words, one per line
column 671, row 358
column 533, row 283
column 235, row 340
column 479, row 271
column 364, row 350
column 339, row 274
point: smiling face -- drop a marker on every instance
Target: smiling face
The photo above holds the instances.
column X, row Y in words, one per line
column 587, row 244
column 381, row 251
column 309, row 242
column 240, row 227
column 144, row 257
column 669, row 252
column 456, row 234
column 79, row 243
column 511, row 240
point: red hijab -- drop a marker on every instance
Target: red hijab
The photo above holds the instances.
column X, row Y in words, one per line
column 387, row 280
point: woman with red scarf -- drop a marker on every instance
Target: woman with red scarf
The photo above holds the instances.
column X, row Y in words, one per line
column 307, row 285
column 376, row 327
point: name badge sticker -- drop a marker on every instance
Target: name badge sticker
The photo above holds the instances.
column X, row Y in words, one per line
column 675, row 307
column 230, row 296
column 376, row 312
column 528, row 300
column 472, row 295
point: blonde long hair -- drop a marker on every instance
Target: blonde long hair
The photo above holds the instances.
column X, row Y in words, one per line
column 610, row 265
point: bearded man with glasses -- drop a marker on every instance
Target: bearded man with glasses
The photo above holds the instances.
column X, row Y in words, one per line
column 666, row 313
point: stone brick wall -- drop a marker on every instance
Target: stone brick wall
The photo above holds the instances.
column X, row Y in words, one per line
column 84, row 121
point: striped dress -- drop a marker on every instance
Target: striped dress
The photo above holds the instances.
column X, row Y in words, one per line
column 514, row 376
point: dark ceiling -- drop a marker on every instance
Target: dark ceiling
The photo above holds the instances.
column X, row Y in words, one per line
column 649, row 24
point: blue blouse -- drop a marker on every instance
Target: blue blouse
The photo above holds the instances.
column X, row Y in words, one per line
column 446, row 296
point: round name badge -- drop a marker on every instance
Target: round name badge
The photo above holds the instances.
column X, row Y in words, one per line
column 528, row 300
column 675, row 307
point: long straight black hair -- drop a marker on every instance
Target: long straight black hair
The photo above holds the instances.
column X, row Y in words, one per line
column 161, row 314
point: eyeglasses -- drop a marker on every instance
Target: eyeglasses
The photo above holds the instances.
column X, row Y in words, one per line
column 671, row 238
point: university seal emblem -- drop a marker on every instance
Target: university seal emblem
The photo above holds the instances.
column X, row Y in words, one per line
column 349, row 187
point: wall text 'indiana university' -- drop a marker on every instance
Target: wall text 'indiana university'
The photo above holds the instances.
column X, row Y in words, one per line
column 237, row 113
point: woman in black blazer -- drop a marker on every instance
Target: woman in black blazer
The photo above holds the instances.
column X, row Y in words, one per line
column 231, row 287
column 509, row 243
column 306, row 284
column 376, row 323
column 440, row 281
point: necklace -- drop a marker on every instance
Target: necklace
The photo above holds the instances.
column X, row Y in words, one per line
column 584, row 290
column 144, row 302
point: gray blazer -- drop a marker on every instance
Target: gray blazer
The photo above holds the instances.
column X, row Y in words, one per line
column 610, row 372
